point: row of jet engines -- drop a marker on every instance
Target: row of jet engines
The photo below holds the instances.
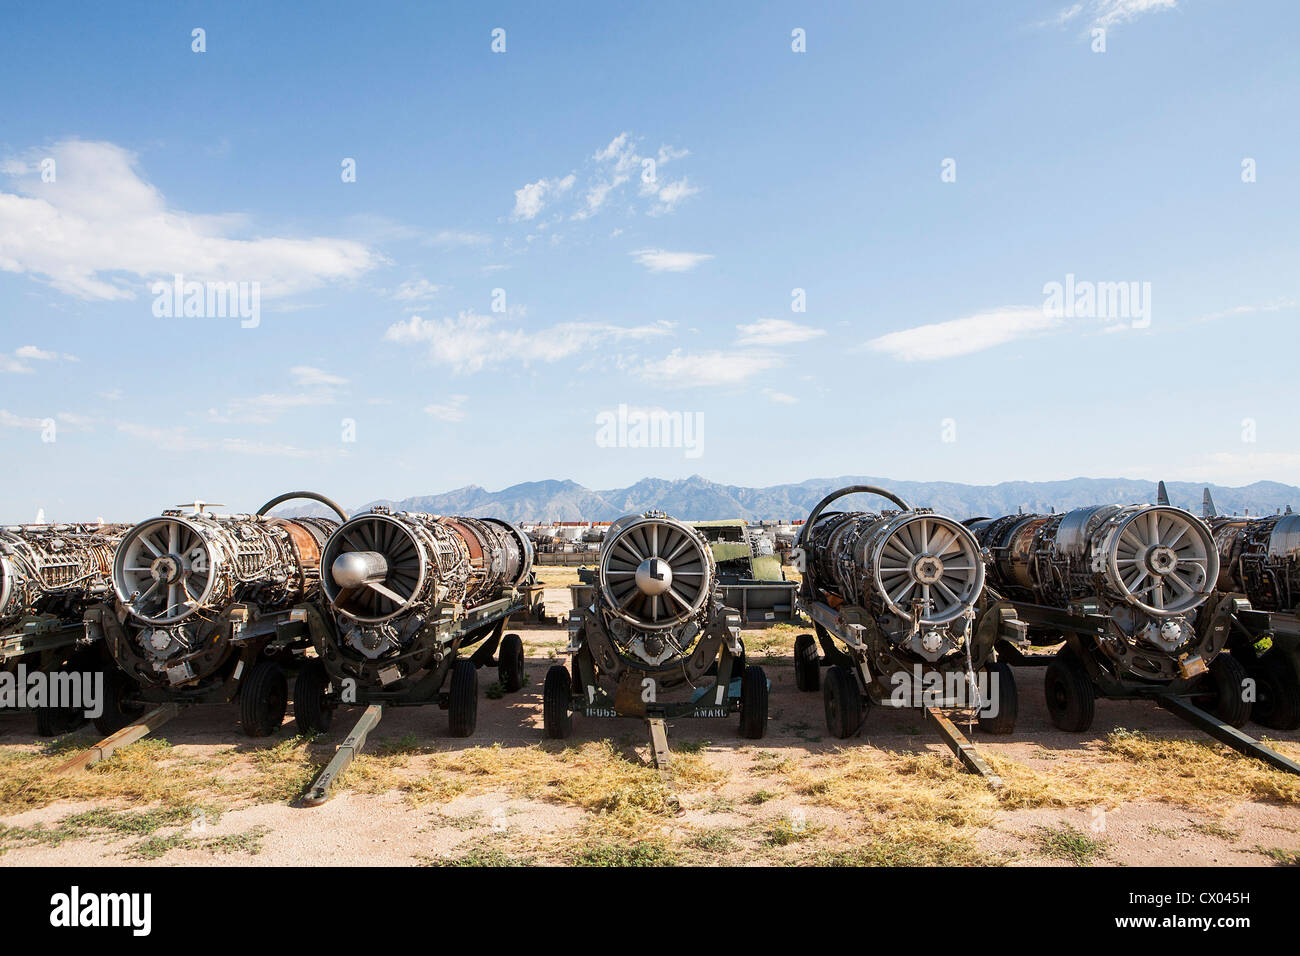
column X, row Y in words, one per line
column 1124, row 600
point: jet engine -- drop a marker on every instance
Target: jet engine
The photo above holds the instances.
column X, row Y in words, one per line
column 1147, row 568
column 654, row 620
column 892, row 596
column 54, row 569
column 918, row 573
column 657, row 589
column 193, row 585
column 1260, row 558
column 391, row 576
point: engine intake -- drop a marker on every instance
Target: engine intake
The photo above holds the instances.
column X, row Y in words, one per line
column 379, row 565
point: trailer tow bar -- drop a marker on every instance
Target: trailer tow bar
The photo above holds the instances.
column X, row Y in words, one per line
column 1226, row 733
column 127, row 735
column 323, row 786
column 965, row 751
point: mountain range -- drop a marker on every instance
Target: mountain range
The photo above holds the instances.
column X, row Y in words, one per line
column 698, row 499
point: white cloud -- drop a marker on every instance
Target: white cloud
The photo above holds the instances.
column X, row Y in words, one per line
column 1107, row 14
column 9, row 420
column 780, row 398
column 769, row 332
column 100, row 221
column 531, row 199
column 681, row 369
column 964, row 336
column 318, row 388
column 672, row 194
column 604, row 176
column 16, row 364
column 453, row 410
column 660, row 260
column 180, row 439
column 1279, row 305
column 32, row 352
column 415, row 290
column 307, row 375
column 112, row 395
column 471, row 341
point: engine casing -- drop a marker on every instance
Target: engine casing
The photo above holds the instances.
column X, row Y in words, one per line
column 917, row 575
column 1260, row 558
column 388, row 575
column 176, row 577
column 54, row 569
column 1148, row 568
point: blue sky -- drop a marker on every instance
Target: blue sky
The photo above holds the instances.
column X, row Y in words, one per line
column 523, row 171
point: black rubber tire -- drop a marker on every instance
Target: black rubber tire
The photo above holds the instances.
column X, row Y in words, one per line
column 1277, row 693
column 263, row 699
column 118, row 710
column 753, row 703
column 313, row 711
column 1225, row 699
column 1071, row 701
column 843, row 702
column 57, row 721
column 557, row 697
column 462, row 710
column 807, row 663
column 1007, row 697
column 510, row 663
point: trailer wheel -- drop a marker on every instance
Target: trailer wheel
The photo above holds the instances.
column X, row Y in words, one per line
column 1227, row 698
column 510, row 663
column 807, row 663
column 313, row 711
column 118, row 709
column 557, row 699
column 263, row 699
column 1277, row 694
column 843, row 702
column 1071, row 703
column 1003, row 692
column 462, row 716
column 753, row 703
column 56, row 721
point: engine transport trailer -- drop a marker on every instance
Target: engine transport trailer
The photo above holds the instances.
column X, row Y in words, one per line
column 1115, row 601
column 49, row 575
column 208, row 608
column 411, row 594
column 651, row 619
column 892, row 597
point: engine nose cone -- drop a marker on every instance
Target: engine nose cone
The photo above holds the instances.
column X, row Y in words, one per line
column 166, row 569
column 927, row 569
column 1162, row 560
column 654, row 576
column 354, row 568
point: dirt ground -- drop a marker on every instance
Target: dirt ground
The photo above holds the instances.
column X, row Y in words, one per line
column 1140, row 788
